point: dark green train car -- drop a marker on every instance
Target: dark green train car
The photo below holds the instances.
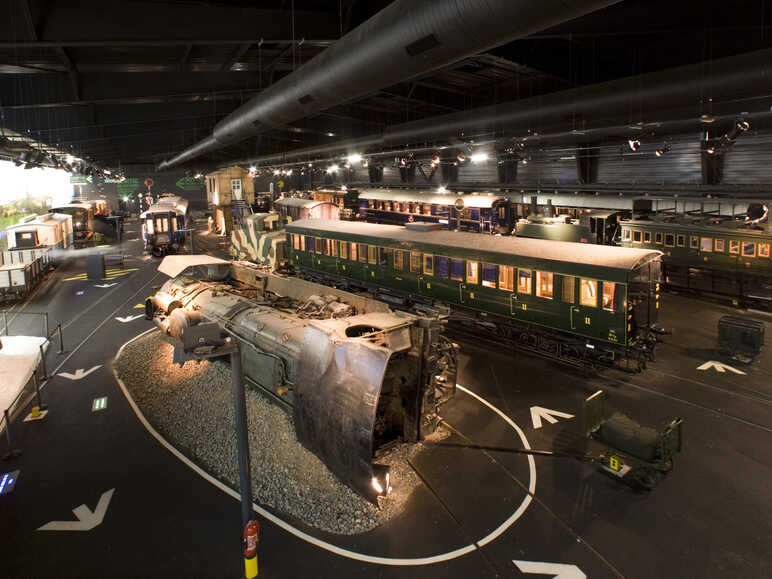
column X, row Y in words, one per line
column 591, row 302
column 714, row 259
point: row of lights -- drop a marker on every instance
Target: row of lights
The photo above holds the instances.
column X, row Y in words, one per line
column 35, row 158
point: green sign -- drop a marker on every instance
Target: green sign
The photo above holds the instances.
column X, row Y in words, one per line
column 81, row 179
column 189, row 184
column 99, row 404
column 128, row 186
column 110, row 180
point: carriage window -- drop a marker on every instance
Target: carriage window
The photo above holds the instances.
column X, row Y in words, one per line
column 161, row 224
column 636, row 236
column 398, row 253
column 309, row 244
column 588, row 295
column 719, row 245
column 625, row 234
column 428, row 264
column 327, row 244
column 415, row 262
column 763, row 250
column 734, row 246
column 706, row 244
column 567, row 293
column 383, row 255
column 544, row 284
column 372, row 254
column 334, row 248
column 319, row 245
column 524, row 281
column 647, row 236
column 441, row 266
column 608, row 295
column 302, row 242
column 343, row 251
column 457, row 269
column 658, row 237
column 749, row 249
column 295, row 241
column 149, row 226
column 669, row 240
column 506, row 278
column 352, row 251
column 362, row 252
column 694, row 242
column 681, row 240
column 472, row 274
column 489, row 275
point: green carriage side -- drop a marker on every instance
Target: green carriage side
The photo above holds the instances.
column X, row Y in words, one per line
column 731, row 261
column 597, row 293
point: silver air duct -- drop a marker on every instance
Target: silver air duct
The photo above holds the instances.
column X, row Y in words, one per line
column 406, row 39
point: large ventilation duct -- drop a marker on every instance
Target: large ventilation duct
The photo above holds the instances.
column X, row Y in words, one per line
column 678, row 96
column 406, row 39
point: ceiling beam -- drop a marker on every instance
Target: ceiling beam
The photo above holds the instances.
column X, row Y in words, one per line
column 111, row 43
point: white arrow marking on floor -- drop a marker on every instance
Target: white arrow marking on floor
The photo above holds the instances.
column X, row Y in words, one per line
column 87, row 520
column 537, row 413
column 719, row 367
column 129, row 318
column 556, row 570
column 105, row 285
column 79, row 373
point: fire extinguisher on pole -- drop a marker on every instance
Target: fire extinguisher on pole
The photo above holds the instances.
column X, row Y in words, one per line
column 251, row 532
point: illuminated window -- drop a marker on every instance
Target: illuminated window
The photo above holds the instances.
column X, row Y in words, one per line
column 457, row 269
column 589, row 293
column 763, row 250
column 372, row 254
column 608, row 295
column 567, row 293
column 681, row 240
column 472, row 272
column 544, row 284
column 524, row 281
column 636, row 236
column 694, row 242
column 415, row 262
column 506, row 278
column 398, row 257
column 749, row 249
column 658, row 238
column 295, row 241
column 719, row 245
column 309, row 244
column 441, row 266
column 706, row 244
column 302, row 242
column 327, row 250
column 383, row 255
column 625, row 234
column 362, row 252
column 334, row 248
column 352, row 251
column 647, row 236
column 669, row 240
column 489, row 275
column 428, row 264
column 734, row 246
column 343, row 250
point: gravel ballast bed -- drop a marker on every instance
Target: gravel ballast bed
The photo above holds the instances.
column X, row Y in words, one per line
column 192, row 407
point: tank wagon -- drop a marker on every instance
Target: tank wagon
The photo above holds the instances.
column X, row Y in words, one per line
column 579, row 303
column 162, row 223
column 355, row 375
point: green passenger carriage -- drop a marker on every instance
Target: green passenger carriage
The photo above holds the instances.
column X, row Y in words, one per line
column 723, row 260
column 578, row 302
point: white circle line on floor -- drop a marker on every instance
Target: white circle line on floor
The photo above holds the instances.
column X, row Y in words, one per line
column 394, row 561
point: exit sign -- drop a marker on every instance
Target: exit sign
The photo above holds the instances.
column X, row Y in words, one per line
column 99, row 404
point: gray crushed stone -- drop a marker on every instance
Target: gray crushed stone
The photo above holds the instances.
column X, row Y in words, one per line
column 192, row 407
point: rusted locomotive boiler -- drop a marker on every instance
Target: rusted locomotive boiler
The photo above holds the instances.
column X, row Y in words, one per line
column 355, row 375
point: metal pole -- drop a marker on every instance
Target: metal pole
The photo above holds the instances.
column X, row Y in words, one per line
column 242, row 440
column 12, row 452
column 43, row 362
column 61, row 339
column 40, row 404
column 5, row 321
column 48, row 330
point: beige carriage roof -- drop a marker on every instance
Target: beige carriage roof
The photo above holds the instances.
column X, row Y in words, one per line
column 565, row 251
column 174, row 265
column 470, row 199
column 300, row 202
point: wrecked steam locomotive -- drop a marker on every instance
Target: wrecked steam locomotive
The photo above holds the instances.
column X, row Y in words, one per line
column 355, row 375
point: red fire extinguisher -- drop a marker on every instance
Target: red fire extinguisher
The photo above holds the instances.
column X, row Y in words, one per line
column 251, row 532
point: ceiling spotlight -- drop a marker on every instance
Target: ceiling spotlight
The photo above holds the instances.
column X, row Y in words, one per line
column 70, row 159
column 310, row 164
column 441, row 189
column 364, row 163
column 479, row 157
column 525, row 160
column 332, row 169
column 253, row 169
column 743, row 125
column 436, row 160
column 403, row 162
column 711, row 150
column 634, row 144
column 662, row 151
column 288, row 172
column 461, row 158
column 354, row 158
column 276, row 172
column 197, row 176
